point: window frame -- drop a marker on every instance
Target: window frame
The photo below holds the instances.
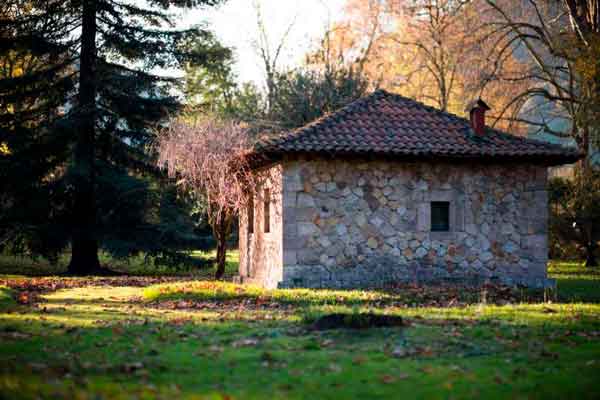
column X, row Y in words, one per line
column 251, row 215
column 437, row 226
column 267, row 210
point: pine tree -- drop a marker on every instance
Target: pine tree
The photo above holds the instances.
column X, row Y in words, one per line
column 35, row 82
column 100, row 56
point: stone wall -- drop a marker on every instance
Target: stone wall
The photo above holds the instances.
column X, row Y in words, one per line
column 359, row 224
column 261, row 257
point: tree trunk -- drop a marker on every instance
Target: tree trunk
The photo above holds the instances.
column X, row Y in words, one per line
column 221, row 256
column 221, row 231
column 590, row 258
column 84, row 257
column 585, row 161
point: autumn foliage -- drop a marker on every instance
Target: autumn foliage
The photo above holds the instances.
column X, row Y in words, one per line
column 441, row 52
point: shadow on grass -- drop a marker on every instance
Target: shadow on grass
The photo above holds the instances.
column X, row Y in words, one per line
column 578, row 290
column 7, row 300
column 575, row 282
column 139, row 265
column 68, row 301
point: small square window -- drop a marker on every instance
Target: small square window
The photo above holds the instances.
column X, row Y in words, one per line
column 440, row 216
column 251, row 215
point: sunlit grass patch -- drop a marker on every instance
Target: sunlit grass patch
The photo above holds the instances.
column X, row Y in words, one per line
column 575, row 283
column 405, row 294
column 219, row 291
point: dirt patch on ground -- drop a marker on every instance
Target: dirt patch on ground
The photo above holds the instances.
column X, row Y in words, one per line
column 356, row 321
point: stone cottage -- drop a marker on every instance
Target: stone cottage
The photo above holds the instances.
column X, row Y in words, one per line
column 388, row 189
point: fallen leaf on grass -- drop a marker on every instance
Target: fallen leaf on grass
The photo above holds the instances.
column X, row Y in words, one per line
column 180, row 321
column 15, row 335
column 334, row 368
column 38, row 367
column 427, row 369
column 358, row 360
column 131, row 367
column 248, row 342
column 425, row 351
column 26, row 297
column 215, row 349
column 400, row 352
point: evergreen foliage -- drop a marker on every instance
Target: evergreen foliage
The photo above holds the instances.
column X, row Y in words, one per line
column 77, row 121
column 305, row 95
column 299, row 96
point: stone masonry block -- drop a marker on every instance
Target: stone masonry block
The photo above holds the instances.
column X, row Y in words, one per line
column 423, row 217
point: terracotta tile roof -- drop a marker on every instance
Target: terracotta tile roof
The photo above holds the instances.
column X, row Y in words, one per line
column 391, row 125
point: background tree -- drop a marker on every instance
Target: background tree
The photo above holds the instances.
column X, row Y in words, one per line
column 292, row 97
column 357, row 41
column 216, row 91
column 269, row 54
column 210, row 88
column 208, row 157
column 559, row 42
column 429, row 50
column 434, row 36
column 99, row 56
column 575, row 212
column 304, row 95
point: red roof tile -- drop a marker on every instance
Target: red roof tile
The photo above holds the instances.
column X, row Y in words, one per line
column 389, row 124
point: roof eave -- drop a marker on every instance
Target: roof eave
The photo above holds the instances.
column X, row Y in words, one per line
column 264, row 157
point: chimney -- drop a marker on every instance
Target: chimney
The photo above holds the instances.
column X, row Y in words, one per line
column 477, row 113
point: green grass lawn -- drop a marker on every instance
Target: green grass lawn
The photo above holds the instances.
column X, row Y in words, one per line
column 199, row 339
